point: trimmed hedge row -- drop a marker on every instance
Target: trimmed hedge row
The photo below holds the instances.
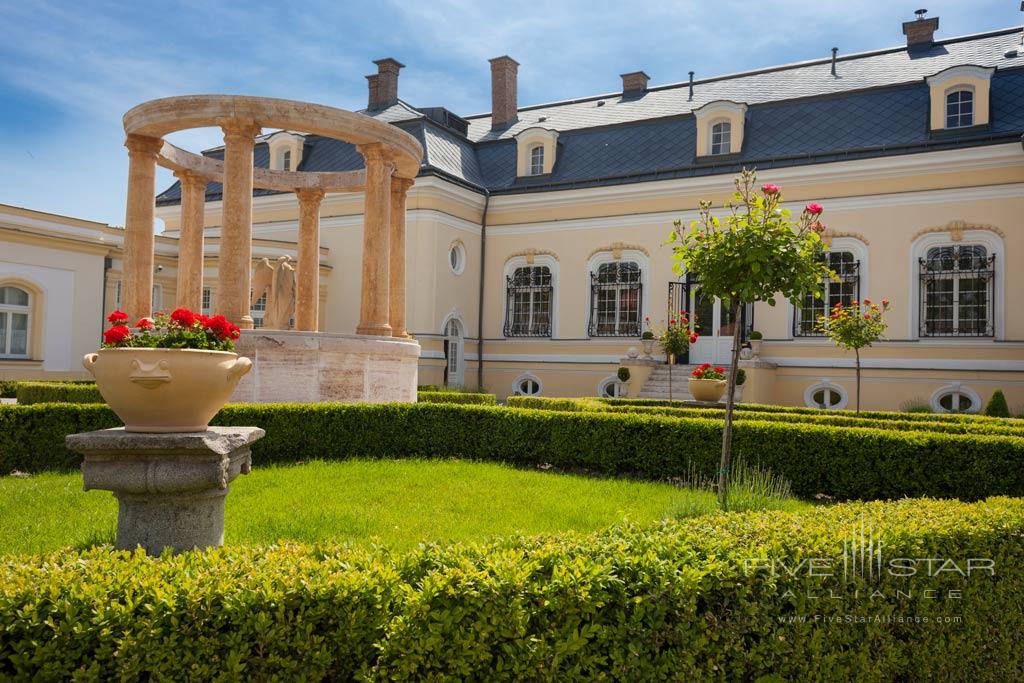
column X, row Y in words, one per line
column 823, row 417
column 456, row 397
column 845, row 462
column 714, row 598
column 58, row 392
column 803, row 410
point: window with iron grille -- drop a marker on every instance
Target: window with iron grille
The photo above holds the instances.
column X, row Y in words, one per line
column 960, row 109
column 615, row 291
column 721, row 134
column 957, row 292
column 529, row 296
column 842, row 289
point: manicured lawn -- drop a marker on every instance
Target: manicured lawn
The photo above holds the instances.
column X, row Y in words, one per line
column 396, row 503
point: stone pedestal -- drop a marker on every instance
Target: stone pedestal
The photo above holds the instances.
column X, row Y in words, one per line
column 170, row 488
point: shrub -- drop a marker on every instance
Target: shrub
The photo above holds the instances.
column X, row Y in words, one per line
column 755, row 336
column 676, row 601
column 8, row 389
column 996, row 406
column 58, row 392
column 916, row 404
column 623, row 374
column 564, row 404
column 455, row 397
column 845, row 462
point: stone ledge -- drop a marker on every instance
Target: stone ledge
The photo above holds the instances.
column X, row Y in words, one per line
column 219, row 441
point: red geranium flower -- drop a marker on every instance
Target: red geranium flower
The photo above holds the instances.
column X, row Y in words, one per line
column 117, row 334
column 719, row 369
column 144, row 324
column 220, row 326
column 183, row 317
column 117, row 318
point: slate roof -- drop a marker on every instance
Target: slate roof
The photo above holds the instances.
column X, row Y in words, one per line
column 877, row 105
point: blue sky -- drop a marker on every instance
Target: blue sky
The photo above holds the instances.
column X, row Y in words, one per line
column 69, row 70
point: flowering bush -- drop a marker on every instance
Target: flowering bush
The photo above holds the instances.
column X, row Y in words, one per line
column 676, row 337
column 852, row 327
column 707, row 371
column 182, row 329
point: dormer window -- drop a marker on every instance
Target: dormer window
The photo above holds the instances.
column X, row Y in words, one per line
column 535, row 151
column 537, row 160
column 959, row 97
column 960, row 108
column 721, row 133
column 285, row 150
column 286, row 160
column 720, row 128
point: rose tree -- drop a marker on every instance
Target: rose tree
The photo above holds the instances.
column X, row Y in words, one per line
column 756, row 252
column 854, row 327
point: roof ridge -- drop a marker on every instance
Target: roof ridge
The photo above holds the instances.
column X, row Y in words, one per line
column 762, row 70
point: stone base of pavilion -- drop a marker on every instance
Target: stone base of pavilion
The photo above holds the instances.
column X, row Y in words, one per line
column 313, row 367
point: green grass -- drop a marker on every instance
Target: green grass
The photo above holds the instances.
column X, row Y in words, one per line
column 395, row 503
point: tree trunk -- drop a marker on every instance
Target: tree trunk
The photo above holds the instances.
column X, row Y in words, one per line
column 723, row 468
column 857, row 353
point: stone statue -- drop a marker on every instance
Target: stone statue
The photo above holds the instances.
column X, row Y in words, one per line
column 277, row 282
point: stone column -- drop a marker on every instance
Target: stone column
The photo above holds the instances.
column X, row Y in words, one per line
column 137, row 288
column 307, row 298
column 190, row 242
column 374, row 296
column 234, row 271
column 396, row 267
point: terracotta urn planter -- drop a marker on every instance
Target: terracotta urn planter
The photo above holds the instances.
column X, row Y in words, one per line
column 755, row 347
column 166, row 390
column 710, row 390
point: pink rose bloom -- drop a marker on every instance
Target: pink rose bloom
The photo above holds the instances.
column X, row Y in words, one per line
column 770, row 188
column 813, row 209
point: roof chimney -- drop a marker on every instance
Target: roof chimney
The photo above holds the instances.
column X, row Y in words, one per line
column 504, row 107
column 383, row 85
column 634, row 83
column 920, row 32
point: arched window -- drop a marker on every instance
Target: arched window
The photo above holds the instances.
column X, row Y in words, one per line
column 843, row 289
column 611, row 387
column 15, row 321
column 286, row 160
column 453, row 353
column 527, row 385
column 960, row 109
column 615, row 290
column 957, row 291
column 529, row 301
column 537, row 160
column 721, row 134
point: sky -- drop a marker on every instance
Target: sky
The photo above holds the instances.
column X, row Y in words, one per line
column 69, row 70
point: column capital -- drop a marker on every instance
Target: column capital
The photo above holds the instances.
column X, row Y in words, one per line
column 376, row 153
column 244, row 130
column 191, row 179
column 143, row 145
column 309, row 195
column 401, row 184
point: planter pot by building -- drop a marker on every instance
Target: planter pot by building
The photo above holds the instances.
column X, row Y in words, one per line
column 648, row 346
column 709, row 390
column 755, row 346
column 166, row 390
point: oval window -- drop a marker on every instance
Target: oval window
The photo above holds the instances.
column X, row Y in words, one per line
column 457, row 258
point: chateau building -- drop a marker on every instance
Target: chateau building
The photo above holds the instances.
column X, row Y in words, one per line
column 535, row 234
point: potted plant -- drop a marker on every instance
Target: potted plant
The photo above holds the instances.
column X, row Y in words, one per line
column 677, row 337
column 171, row 373
column 756, row 339
column 741, row 379
column 624, row 375
column 707, row 383
column 647, row 338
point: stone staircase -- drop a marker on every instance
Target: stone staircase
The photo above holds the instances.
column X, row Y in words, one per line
column 656, row 385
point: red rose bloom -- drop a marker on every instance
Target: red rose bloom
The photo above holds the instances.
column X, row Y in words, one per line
column 813, row 209
column 867, row 316
column 117, row 318
column 183, row 317
column 117, row 334
column 693, row 339
column 144, row 324
column 885, row 302
column 770, row 188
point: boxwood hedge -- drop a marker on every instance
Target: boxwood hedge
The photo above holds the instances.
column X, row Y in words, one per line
column 456, row 397
column 57, row 392
column 845, row 462
column 723, row 597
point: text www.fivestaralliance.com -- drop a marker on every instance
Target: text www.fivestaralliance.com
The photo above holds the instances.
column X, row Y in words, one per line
column 830, row 619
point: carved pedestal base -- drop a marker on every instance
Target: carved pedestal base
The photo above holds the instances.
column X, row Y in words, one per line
column 170, row 487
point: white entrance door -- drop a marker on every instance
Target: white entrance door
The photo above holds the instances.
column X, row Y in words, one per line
column 453, row 354
column 714, row 327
